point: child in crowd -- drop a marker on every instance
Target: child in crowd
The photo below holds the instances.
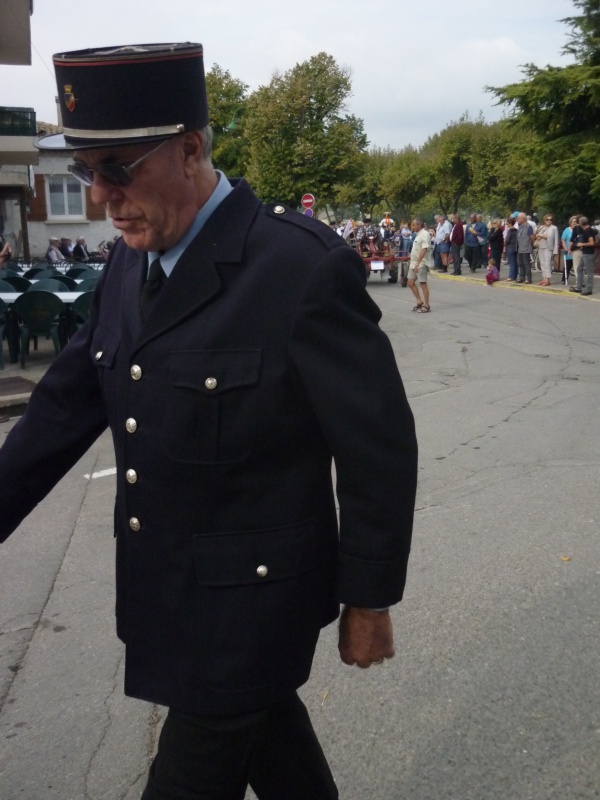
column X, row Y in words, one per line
column 492, row 275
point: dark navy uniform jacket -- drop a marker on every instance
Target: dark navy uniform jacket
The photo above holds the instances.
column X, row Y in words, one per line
column 262, row 360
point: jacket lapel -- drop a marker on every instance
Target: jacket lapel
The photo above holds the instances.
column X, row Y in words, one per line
column 195, row 280
column 133, row 279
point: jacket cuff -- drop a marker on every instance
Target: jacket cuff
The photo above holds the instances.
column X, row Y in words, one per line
column 370, row 584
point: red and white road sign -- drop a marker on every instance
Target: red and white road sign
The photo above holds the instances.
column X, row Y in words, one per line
column 308, row 200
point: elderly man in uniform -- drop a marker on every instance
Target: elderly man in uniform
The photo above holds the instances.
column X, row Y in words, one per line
column 232, row 363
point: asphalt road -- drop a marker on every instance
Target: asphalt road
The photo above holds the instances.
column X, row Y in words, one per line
column 494, row 691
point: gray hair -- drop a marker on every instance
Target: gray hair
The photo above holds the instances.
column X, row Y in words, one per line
column 583, row 220
column 207, row 135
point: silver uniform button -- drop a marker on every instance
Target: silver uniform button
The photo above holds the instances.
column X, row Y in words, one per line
column 210, row 383
column 136, row 372
column 135, row 524
column 131, row 476
column 131, row 425
column 279, row 210
column 98, row 355
column 262, row 571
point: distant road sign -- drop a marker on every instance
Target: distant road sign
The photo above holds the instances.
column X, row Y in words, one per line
column 308, row 212
column 308, row 201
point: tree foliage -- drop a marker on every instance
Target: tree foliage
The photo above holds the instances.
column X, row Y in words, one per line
column 227, row 101
column 584, row 38
column 299, row 139
column 406, row 181
column 561, row 106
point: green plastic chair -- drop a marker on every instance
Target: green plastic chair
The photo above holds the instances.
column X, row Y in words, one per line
column 88, row 284
column 33, row 272
column 38, row 315
column 70, row 283
column 51, row 272
column 3, row 324
column 20, row 284
column 48, row 285
column 81, row 308
column 77, row 272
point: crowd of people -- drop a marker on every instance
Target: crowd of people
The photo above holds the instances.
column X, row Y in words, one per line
column 63, row 249
column 518, row 241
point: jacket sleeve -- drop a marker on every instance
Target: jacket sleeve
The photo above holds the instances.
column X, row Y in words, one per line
column 348, row 370
column 64, row 417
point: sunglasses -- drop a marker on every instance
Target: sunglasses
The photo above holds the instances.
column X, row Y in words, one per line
column 115, row 174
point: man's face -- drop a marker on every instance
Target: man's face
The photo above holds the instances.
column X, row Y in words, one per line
column 157, row 208
column 473, row 218
column 522, row 219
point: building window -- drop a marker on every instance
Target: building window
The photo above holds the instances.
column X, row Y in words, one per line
column 65, row 197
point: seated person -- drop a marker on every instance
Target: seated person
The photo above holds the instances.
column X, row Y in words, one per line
column 53, row 253
column 80, row 251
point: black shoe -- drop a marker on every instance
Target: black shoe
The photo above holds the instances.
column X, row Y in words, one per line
column 519, row 280
column 583, row 294
column 442, row 270
column 392, row 280
column 456, row 273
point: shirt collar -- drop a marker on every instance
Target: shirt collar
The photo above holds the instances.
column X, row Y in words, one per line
column 170, row 257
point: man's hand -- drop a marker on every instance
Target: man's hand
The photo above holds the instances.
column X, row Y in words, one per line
column 366, row 636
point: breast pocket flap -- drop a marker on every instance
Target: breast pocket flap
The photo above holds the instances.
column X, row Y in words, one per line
column 216, row 371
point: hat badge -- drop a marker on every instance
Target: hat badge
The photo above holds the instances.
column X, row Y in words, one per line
column 69, row 97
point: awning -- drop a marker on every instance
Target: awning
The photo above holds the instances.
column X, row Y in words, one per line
column 18, row 150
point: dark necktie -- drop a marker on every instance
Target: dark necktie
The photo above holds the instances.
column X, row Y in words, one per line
column 151, row 289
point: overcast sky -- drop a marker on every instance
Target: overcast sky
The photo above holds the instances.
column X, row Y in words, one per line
column 416, row 66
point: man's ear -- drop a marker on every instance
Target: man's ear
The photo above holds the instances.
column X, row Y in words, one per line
column 193, row 147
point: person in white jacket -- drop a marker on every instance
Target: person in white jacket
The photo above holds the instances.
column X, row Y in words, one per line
column 546, row 238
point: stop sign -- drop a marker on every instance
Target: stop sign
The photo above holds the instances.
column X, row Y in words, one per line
column 308, row 200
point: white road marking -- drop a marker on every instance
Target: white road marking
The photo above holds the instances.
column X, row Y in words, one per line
column 102, row 474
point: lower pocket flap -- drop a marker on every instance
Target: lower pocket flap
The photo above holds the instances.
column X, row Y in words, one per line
column 235, row 558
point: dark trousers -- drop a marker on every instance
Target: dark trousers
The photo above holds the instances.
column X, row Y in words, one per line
column 524, row 262
column 512, row 265
column 484, row 255
column 456, row 259
column 274, row 750
column 497, row 256
column 473, row 256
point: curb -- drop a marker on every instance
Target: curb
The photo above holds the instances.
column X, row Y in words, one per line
column 504, row 284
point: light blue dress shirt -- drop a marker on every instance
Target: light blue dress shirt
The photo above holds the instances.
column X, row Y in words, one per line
column 170, row 257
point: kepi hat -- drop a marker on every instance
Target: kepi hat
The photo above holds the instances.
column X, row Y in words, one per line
column 128, row 94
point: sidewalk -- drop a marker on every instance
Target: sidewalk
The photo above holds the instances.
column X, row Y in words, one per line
column 17, row 383
column 556, row 287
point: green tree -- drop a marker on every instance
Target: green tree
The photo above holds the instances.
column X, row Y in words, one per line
column 365, row 192
column 299, row 140
column 227, row 99
column 561, row 105
column 504, row 172
column 584, row 38
column 448, row 155
column 406, row 182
